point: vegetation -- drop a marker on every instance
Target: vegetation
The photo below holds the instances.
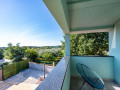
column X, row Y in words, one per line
column 31, row 54
column 81, row 44
column 53, row 50
column 1, row 53
column 48, row 56
column 35, row 54
column 14, row 68
column 15, row 53
column 21, row 56
column 88, row 44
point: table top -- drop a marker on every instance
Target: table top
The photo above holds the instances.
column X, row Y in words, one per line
column 90, row 76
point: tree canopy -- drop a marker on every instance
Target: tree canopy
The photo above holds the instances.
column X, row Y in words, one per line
column 31, row 54
column 15, row 53
column 48, row 56
column 88, row 44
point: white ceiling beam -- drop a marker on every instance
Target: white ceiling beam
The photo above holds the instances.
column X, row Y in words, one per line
column 58, row 9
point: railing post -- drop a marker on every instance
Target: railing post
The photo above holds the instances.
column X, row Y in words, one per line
column 53, row 64
column 44, row 70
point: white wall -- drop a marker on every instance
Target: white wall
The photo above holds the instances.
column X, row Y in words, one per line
column 103, row 66
column 114, row 49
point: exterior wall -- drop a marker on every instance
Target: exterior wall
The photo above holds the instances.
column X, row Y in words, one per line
column 66, row 84
column 114, row 50
column 67, row 44
column 40, row 67
column 103, row 66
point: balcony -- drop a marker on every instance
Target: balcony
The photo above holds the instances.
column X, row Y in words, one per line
column 86, row 16
column 66, row 77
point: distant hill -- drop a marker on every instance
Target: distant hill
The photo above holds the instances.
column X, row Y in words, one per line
column 43, row 47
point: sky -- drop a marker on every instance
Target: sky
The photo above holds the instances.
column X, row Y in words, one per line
column 29, row 23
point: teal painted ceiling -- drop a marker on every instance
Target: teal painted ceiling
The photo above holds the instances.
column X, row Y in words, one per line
column 82, row 15
column 101, row 15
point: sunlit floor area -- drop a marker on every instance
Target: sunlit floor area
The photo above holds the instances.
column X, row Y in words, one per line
column 77, row 84
column 25, row 80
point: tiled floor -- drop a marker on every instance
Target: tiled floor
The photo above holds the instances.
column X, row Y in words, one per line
column 77, row 82
column 27, row 80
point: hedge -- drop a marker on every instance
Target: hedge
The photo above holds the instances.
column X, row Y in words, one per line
column 0, row 68
column 14, row 68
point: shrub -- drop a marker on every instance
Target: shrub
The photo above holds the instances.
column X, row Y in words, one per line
column 0, row 68
column 1, row 53
column 31, row 54
column 48, row 56
column 14, row 68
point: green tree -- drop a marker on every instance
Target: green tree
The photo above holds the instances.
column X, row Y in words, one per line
column 9, row 44
column 1, row 53
column 60, row 53
column 88, row 44
column 15, row 53
column 31, row 54
column 48, row 56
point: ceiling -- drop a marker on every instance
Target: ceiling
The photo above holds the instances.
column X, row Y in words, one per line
column 85, row 15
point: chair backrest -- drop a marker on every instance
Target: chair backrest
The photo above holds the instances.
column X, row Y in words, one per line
column 90, row 76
